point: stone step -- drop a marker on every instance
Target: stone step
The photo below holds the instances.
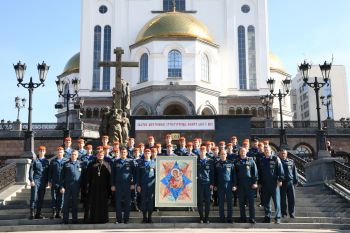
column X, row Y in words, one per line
column 20, row 226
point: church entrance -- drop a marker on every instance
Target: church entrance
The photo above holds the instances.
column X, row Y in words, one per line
column 174, row 110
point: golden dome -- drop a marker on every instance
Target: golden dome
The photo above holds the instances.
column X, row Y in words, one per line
column 276, row 63
column 72, row 66
column 174, row 25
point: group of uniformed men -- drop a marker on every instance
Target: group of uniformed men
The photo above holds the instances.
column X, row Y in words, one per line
column 127, row 174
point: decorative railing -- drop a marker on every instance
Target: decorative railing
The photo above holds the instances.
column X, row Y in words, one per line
column 342, row 174
column 299, row 163
column 300, row 124
column 8, row 175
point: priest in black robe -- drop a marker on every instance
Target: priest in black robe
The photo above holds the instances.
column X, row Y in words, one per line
column 98, row 183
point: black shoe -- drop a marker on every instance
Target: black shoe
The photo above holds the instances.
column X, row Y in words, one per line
column 252, row 221
column 53, row 213
column 283, row 215
column 235, row 203
column 39, row 216
column 222, row 220
column 126, row 221
column 278, row 221
column 58, row 213
column 65, row 222
column 149, row 220
column 75, row 222
column 267, row 220
column 201, row 221
column 242, row 220
column 144, row 220
column 206, row 221
column 229, row 220
column 292, row 216
column 31, row 214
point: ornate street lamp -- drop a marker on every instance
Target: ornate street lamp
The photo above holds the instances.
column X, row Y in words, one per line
column 64, row 91
column 267, row 101
column 42, row 71
column 317, row 85
column 327, row 101
column 19, row 104
column 280, row 95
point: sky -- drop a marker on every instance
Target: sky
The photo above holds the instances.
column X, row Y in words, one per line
column 33, row 31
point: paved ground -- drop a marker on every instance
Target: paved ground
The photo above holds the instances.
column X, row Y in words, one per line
column 196, row 231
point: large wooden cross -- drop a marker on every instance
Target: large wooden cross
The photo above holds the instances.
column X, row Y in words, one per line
column 118, row 64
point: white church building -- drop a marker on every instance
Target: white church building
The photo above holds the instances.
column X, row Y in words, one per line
column 201, row 57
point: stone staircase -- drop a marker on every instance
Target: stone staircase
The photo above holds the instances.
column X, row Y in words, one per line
column 317, row 207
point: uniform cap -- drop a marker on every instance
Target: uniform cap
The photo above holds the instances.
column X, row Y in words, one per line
column 182, row 139
column 80, row 140
column 60, row 148
column 116, row 143
column 105, row 147
column 42, row 148
column 208, row 143
column 136, row 149
column 245, row 143
column 68, row 139
column 158, row 145
column 189, row 144
column 154, row 150
column 141, row 144
column 203, row 148
column 99, row 148
column 169, row 145
column 147, row 150
column 229, row 144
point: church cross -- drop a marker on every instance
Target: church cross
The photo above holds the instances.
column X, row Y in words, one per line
column 118, row 64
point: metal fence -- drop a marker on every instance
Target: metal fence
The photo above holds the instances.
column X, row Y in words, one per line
column 8, row 175
column 299, row 163
column 298, row 124
column 342, row 174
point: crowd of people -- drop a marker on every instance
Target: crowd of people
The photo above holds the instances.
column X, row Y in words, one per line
column 125, row 176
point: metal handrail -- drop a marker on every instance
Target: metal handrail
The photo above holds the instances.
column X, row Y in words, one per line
column 342, row 174
column 299, row 163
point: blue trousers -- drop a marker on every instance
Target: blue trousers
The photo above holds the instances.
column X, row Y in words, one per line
column 287, row 191
column 71, row 199
column 246, row 193
column 147, row 198
column 56, row 198
column 122, row 193
column 37, row 194
column 274, row 193
column 203, row 195
column 225, row 190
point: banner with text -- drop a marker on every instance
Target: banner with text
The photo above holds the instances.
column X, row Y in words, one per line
column 172, row 124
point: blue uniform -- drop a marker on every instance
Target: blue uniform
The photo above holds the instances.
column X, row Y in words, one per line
column 287, row 189
column 253, row 153
column 236, row 149
column 70, row 181
column 247, row 175
column 123, row 172
column 196, row 151
column 224, row 180
column 38, row 173
column 181, row 151
column 271, row 171
column 130, row 152
column 232, row 157
column 81, row 153
column 210, row 155
column 205, row 178
column 146, row 177
column 55, row 172
column 67, row 152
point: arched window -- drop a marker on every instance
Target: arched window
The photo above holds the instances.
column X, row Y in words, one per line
column 254, row 112
column 174, row 64
column 88, row 113
column 106, row 57
column 205, row 67
column 231, row 111
column 168, row 5
column 304, row 151
column 97, row 58
column 242, row 58
column 246, row 110
column 252, row 57
column 239, row 111
column 144, row 68
column 96, row 113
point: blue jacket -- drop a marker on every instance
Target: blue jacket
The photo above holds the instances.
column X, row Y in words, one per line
column 39, row 171
column 123, row 172
column 67, row 152
column 224, row 173
column 55, row 171
column 270, row 171
column 205, row 171
column 246, row 171
column 290, row 171
column 146, row 173
column 71, row 174
column 181, row 151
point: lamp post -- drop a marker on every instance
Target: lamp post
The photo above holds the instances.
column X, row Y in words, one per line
column 327, row 101
column 19, row 103
column 42, row 71
column 63, row 86
column 280, row 95
column 317, row 85
column 267, row 101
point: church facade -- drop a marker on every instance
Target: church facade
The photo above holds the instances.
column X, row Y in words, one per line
column 195, row 58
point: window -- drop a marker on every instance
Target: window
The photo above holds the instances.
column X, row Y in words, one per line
column 245, row 8
column 103, row 9
column 246, row 111
column 252, row 57
column 261, row 112
column 106, row 57
column 144, row 68
column 254, row 112
column 239, row 111
column 205, row 67
column 88, row 113
column 231, row 111
column 304, row 151
column 242, row 58
column 168, row 5
column 97, row 58
column 96, row 113
column 174, row 64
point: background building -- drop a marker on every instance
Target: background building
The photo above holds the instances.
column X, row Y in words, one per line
column 304, row 100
